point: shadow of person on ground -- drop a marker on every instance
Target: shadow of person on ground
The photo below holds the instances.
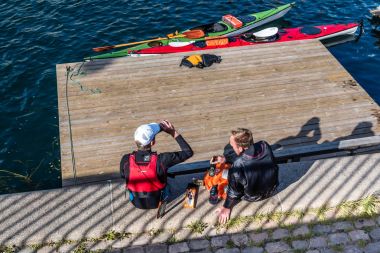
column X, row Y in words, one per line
column 362, row 129
column 310, row 133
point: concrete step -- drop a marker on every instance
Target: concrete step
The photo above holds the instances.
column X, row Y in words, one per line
column 94, row 209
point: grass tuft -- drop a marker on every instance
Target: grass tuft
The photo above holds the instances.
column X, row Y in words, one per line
column 365, row 207
column 197, row 226
column 81, row 248
column 300, row 214
column 172, row 240
column 276, row 216
column 321, row 212
column 369, row 205
column 154, row 232
column 36, row 246
column 235, row 222
column 113, row 235
column 7, row 249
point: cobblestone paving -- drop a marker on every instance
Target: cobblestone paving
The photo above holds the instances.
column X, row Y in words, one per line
column 351, row 236
column 361, row 235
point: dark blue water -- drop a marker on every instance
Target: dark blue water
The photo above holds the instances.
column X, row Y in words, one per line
column 36, row 35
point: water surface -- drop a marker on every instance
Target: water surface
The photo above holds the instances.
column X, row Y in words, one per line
column 37, row 35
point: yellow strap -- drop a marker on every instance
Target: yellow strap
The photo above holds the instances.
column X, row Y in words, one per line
column 194, row 59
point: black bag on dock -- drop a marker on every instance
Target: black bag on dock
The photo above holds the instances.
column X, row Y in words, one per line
column 200, row 61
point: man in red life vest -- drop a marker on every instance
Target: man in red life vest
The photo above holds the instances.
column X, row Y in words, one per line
column 145, row 171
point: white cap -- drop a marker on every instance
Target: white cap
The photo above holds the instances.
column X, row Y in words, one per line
column 146, row 133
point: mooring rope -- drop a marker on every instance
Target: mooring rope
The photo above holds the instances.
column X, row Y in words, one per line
column 77, row 71
column 70, row 73
column 68, row 70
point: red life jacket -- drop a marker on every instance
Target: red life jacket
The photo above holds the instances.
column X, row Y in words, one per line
column 143, row 176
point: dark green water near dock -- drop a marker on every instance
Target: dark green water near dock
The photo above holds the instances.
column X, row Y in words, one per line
column 36, row 35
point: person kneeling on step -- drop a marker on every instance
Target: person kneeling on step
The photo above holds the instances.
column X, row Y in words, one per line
column 145, row 171
column 253, row 175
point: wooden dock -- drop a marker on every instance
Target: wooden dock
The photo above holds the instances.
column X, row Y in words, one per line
column 292, row 93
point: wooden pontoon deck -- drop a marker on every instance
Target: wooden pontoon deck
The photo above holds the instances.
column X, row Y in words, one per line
column 292, row 93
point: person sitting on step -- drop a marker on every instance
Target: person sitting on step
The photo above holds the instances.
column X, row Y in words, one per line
column 145, row 171
column 253, row 175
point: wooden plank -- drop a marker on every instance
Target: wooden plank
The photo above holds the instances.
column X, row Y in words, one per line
column 263, row 119
column 231, row 70
column 154, row 90
column 192, row 112
column 174, row 96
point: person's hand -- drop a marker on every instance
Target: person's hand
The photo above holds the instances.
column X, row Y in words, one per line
column 218, row 159
column 223, row 214
column 167, row 127
column 221, row 159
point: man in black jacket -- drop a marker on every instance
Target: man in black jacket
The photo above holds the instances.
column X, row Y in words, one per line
column 145, row 171
column 253, row 175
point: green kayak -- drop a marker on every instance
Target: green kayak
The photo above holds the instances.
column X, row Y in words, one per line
column 228, row 26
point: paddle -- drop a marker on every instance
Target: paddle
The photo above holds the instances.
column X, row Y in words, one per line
column 192, row 34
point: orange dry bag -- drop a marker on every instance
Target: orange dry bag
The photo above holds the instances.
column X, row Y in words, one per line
column 219, row 179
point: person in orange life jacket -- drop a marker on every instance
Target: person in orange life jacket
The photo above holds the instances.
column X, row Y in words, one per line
column 253, row 175
column 145, row 171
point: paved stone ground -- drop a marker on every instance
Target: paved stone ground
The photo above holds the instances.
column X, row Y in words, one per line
column 361, row 235
column 337, row 235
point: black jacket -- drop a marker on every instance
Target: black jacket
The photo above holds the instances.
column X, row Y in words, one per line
column 164, row 162
column 253, row 175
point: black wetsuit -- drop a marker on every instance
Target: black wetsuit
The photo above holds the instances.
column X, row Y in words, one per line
column 165, row 161
column 253, row 175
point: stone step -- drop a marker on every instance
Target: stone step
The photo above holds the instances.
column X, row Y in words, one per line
column 90, row 211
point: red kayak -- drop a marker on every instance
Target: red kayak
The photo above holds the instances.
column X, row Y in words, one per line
column 269, row 35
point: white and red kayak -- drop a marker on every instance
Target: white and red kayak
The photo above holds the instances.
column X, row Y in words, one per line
column 268, row 35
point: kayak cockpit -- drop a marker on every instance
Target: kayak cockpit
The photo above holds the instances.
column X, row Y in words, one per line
column 247, row 19
column 223, row 25
column 249, row 37
column 266, row 35
column 212, row 27
column 310, row 30
column 155, row 44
